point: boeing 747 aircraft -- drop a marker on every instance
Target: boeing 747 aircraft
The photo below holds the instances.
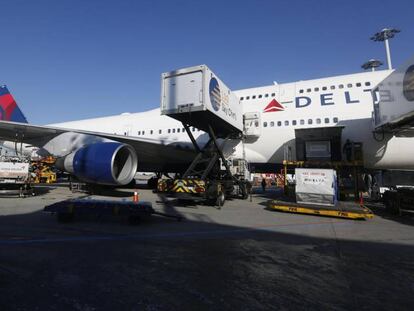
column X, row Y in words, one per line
column 110, row 150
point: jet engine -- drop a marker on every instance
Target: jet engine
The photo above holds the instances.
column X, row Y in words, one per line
column 106, row 163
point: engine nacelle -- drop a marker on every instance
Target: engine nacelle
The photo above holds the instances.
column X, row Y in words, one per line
column 108, row 163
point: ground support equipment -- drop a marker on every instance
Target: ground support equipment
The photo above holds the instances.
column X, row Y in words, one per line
column 400, row 200
column 68, row 209
column 342, row 209
column 204, row 179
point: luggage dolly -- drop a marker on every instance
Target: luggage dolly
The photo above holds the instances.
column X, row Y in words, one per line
column 66, row 210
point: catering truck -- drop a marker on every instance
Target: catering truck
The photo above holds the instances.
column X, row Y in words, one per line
column 198, row 98
column 14, row 175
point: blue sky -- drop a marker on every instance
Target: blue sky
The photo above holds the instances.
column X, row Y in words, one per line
column 67, row 60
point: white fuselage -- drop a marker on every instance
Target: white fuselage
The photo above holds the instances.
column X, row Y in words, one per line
column 335, row 101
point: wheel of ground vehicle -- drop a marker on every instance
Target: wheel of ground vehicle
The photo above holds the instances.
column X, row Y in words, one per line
column 221, row 198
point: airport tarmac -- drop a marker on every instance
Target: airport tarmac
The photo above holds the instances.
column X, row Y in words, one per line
column 242, row 257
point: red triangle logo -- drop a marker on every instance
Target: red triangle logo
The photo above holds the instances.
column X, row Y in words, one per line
column 274, row 106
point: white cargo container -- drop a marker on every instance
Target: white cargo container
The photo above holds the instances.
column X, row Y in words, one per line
column 394, row 106
column 316, row 186
column 197, row 97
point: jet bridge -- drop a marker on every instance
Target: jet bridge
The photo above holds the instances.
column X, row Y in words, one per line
column 394, row 100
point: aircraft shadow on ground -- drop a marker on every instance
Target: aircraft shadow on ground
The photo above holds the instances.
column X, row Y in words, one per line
column 227, row 266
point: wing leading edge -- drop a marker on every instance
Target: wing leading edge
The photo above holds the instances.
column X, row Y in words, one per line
column 153, row 155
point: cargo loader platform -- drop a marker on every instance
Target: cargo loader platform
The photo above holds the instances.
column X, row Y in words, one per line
column 68, row 209
column 346, row 210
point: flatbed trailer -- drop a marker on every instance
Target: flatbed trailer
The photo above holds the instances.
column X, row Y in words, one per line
column 348, row 210
column 67, row 210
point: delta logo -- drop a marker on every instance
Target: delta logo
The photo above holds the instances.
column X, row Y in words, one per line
column 274, row 106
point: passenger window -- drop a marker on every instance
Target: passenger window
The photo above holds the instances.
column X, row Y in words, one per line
column 173, row 130
column 266, row 95
column 193, row 129
column 358, row 84
column 332, row 87
column 310, row 121
column 308, row 90
column 286, row 123
column 273, row 94
column 241, row 98
column 316, row 89
column 183, row 130
column 349, row 85
column 335, row 120
column 294, row 122
column 254, row 97
column 143, row 132
column 260, row 96
column 256, row 123
column 341, row 86
column 159, row 131
column 367, row 83
column 324, row 88
column 178, row 130
column 272, row 124
column 151, row 132
column 279, row 123
column 264, row 124
column 300, row 91
column 302, row 122
column 318, row 121
column 169, row 131
column 326, row 120
column 139, row 132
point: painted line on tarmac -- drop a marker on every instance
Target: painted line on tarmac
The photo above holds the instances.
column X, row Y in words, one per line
column 127, row 237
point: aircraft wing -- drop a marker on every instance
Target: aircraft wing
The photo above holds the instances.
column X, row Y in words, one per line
column 153, row 155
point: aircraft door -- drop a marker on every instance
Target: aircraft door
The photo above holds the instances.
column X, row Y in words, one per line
column 252, row 124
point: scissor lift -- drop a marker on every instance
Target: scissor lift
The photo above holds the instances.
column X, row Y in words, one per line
column 197, row 97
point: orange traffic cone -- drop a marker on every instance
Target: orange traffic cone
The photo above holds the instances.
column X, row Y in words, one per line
column 135, row 198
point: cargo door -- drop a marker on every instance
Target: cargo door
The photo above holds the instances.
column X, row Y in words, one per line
column 252, row 125
column 183, row 92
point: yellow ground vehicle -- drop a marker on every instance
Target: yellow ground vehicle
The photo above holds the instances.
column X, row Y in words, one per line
column 43, row 170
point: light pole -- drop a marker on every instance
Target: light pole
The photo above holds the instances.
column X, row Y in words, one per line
column 371, row 64
column 384, row 35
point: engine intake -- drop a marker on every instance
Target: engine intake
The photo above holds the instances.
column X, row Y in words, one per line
column 108, row 163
